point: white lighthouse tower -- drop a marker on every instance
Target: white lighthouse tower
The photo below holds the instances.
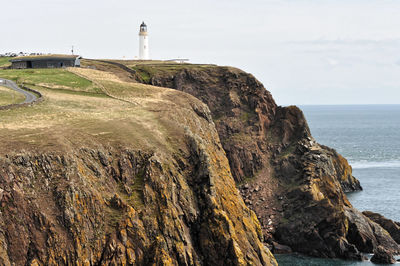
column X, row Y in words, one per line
column 143, row 42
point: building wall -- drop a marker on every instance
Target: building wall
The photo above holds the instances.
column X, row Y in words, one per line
column 143, row 46
column 18, row 65
column 53, row 63
column 46, row 63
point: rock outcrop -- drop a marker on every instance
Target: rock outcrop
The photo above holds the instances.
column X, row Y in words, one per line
column 382, row 256
column 252, row 128
column 295, row 185
column 392, row 227
column 367, row 235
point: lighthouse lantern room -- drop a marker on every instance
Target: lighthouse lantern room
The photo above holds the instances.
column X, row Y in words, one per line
column 143, row 42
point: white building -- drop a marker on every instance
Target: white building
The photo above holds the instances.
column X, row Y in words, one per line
column 143, row 42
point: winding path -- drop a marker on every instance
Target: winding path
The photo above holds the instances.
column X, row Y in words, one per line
column 29, row 96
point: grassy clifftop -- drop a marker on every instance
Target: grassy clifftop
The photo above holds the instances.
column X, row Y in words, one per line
column 88, row 102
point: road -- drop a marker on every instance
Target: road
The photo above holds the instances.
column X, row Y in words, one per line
column 29, row 96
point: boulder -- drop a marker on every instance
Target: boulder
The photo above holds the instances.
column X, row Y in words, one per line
column 280, row 249
column 392, row 227
column 383, row 256
column 368, row 235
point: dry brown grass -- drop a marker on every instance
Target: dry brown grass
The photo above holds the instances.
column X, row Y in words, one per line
column 9, row 96
column 117, row 88
column 130, row 114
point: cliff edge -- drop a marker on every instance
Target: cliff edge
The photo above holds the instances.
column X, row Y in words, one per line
column 295, row 185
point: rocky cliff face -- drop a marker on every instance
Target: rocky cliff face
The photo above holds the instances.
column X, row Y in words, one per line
column 392, row 227
column 295, row 186
column 124, row 207
column 102, row 195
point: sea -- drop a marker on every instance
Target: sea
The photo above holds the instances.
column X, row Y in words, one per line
column 368, row 136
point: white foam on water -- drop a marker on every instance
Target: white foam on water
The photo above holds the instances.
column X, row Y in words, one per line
column 370, row 164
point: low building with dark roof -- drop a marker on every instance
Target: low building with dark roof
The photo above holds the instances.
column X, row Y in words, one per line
column 45, row 61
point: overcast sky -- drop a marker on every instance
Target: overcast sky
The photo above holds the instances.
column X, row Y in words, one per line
column 304, row 51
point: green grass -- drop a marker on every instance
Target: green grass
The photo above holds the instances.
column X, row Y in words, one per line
column 50, row 78
column 135, row 198
column 144, row 75
column 288, row 151
column 45, row 56
column 240, row 137
column 247, row 116
column 4, row 61
column 245, row 180
column 147, row 71
column 9, row 96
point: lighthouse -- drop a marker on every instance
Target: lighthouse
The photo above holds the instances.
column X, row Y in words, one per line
column 143, row 42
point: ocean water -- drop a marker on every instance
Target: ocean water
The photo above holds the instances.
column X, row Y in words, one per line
column 369, row 137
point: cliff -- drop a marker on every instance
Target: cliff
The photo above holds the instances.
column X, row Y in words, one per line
column 295, row 185
column 110, row 172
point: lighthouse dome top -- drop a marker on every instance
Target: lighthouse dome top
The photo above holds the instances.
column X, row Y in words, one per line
column 143, row 27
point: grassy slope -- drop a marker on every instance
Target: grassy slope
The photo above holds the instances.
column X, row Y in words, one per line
column 4, row 61
column 146, row 69
column 50, row 78
column 90, row 106
column 8, row 96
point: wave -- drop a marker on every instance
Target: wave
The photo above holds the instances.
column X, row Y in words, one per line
column 370, row 164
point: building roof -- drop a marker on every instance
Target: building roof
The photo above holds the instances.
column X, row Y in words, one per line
column 143, row 24
column 44, row 57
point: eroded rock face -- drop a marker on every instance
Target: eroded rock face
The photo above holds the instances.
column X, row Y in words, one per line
column 109, row 204
column 314, row 220
column 295, row 186
column 392, row 227
column 242, row 109
column 368, row 235
column 252, row 128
